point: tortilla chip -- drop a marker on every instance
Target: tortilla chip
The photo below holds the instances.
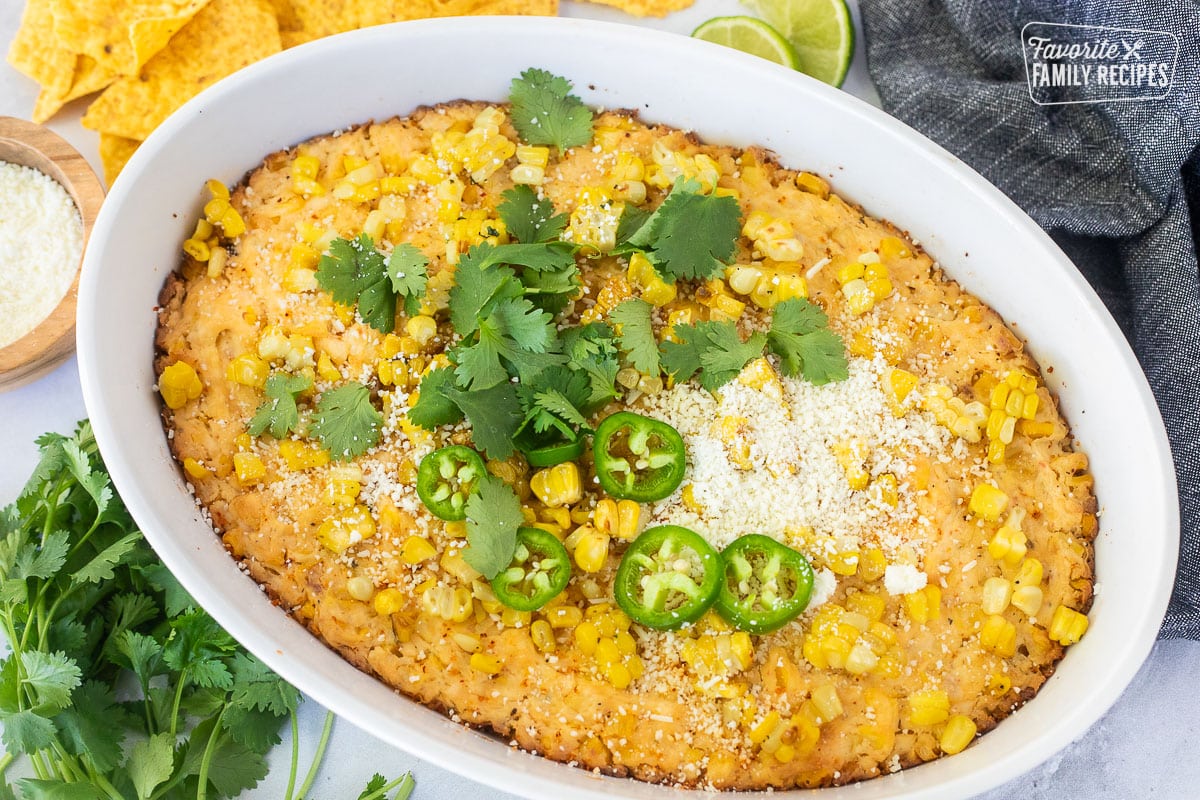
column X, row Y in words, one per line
column 122, row 35
column 380, row 13
column 646, row 8
column 224, row 37
column 34, row 53
column 114, row 152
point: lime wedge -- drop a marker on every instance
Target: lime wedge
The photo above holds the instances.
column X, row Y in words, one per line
column 821, row 31
column 751, row 36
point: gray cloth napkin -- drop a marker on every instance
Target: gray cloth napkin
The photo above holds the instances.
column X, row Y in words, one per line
column 1117, row 184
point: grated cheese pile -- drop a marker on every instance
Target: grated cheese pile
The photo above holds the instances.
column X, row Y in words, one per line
column 41, row 240
column 787, row 433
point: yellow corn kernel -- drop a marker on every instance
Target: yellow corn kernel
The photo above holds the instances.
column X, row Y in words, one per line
column 558, row 485
column 591, row 551
column 852, row 456
column 995, row 451
column 451, row 603
column 844, row 562
column 300, row 456
column 775, row 287
column 867, row 604
column 594, row 220
column 872, row 564
column 999, row 635
column 535, row 155
column 512, row 618
column 388, row 601
column 243, row 441
column 901, row 382
column 958, row 733
column 759, row 733
column 892, row 247
column 563, row 617
column 587, row 637
column 1028, row 599
column 861, row 659
column 988, row 502
column 248, row 370
column 300, row 279
column 198, row 249
column 455, row 565
column 743, row 279
column 999, row 683
column 178, row 384
column 1030, row 573
column 416, row 549
column 1067, row 626
column 928, row 707
column 997, row 593
column 827, row 702
column 196, row 469
column 925, row 605
column 543, row 636
column 249, row 468
column 421, row 328
column 812, row 184
column 887, row 489
column 1008, row 545
column 360, row 588
column 486, row 663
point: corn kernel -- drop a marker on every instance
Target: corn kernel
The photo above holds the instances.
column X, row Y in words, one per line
column 360, row 588
column 300, row 456
column 196, row 469
column 178, row 384
column 1067, row 626
column 591, row 551
column 543, row 636
column 999, row 635
column 249, row 468
column 486, row 663
column 997, row 593
column 563, row 616
column 1028, row 599
column 416, row 549
column 988, row 502
column 558, row 485
column 928, row 707
column 388, row 601
column 587, row 637
column 958, row 733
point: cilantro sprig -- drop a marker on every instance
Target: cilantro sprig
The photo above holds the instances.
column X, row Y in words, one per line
column 715, row 350
column 800, row 336
column 358, row 275
column 116, row 685
column 493, row 516
column 544, row 111
column 279, row 414
column 637, row 334
column 346, row 422
column 690, row 235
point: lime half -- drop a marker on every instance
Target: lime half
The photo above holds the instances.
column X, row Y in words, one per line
column 821, row 32
column 749, row 35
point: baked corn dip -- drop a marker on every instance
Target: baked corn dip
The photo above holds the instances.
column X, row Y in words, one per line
column 652, row 456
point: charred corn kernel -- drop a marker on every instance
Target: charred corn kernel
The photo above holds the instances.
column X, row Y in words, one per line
column 300, row 456
column 587, row 638
column 786, row 249
column 872, row 564
column 759, row 733
column 928, row 707
column 248, row 370
column 988, row 502
column 1067, row 626
column 196, row 469
column 775, row 287
column 887, row 489
column 558, row 485
column 997, row 593
column 542, row 636
column 591, row 551
column 1008, row 545
column 416, row 549
column 388, row 601
column 812, row 184
column 178, row 384
column 958, row 733
column 999, row 635
column 892, row 247
column 1028, row 599
column 486, row 663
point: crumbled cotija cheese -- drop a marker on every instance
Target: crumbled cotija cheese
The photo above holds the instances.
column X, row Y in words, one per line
column 796, row 480
column 41, row 240
column 903, row 579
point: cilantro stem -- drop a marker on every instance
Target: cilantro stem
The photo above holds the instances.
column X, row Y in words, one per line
column 405, row 782
column 209, row 749
column 178, row 698
column 5, row 761
column 291, row 785
column 318, row 757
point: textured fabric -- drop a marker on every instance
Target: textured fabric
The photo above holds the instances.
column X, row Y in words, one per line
column 1117, row 184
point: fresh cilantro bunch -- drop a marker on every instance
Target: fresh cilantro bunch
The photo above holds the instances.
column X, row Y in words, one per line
column 117, row 686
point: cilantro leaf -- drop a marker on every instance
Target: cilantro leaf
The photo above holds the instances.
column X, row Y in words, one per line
column 26, row 732
column 551, row 291
column 637, row 334
column 94, row 725
column 632, row 220
column 516, row 336
column 346, row 422
column 279, row 414
column 257, row 687
column 493, row 516
column 690, row 235
column 555, row 402
column 727, row 354
column 51, row 677
column 433, row 408
column 477, row 284
column 529, row 219
column 591, row 349
column 494, row 414
column 406, row 270
column 356, row 274
column 714, row 349
column 151, row 762
column 100, row 568
column 545, row 112
column 374, row 786
column 556, row 398
column 800, row 336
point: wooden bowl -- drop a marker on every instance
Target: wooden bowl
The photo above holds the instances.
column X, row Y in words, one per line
column 53, row 340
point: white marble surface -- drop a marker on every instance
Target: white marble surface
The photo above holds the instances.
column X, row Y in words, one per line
column 1146, row 746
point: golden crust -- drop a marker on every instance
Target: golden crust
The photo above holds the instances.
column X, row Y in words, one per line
column 661, row 728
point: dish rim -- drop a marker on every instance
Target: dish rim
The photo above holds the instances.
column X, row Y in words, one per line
column 516, row 774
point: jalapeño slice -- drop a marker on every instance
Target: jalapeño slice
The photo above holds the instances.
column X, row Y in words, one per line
column 669, row 576
column 764, row 584
column 555, row 452
column 538, row 573
column 638, row 458
column 446, row 478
